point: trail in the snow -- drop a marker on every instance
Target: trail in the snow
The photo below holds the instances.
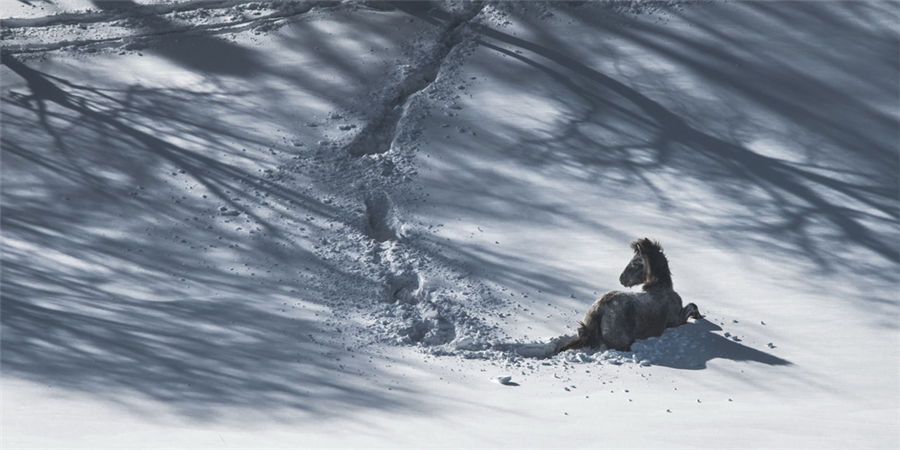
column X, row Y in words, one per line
column 413, row 295
column 379, row 135
column 132, row 27
column 118, row 11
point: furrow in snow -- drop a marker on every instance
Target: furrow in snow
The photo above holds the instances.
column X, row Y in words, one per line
column 112, row 12
column 378, row 136
column 14, row 30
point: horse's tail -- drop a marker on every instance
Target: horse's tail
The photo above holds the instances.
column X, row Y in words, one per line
column 583, row 339
column 575, row 343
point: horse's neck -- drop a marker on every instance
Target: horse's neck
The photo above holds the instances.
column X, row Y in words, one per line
column 657, row 287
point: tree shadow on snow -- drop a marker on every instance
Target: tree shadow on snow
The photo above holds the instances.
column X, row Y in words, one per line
column 194, row 356
column 797, row 190
column 112, row 290
column 202, row 52
column 148, row 254
column 830, row 206
column 118, row 285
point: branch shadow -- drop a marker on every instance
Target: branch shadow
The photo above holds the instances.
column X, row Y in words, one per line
column 197, row 357
column 148, row 254
column 796, row 189
column 208, row 54
column 122, row 281
column 836, row 209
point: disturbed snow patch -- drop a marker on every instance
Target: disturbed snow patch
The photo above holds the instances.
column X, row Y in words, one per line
column 381, row 217
column 417, row 306
column 423, row 299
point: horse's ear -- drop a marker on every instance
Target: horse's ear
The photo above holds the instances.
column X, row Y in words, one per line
column 641, row 245
column 636, row 246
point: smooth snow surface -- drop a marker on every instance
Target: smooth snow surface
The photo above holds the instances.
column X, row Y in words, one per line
column 236, row 224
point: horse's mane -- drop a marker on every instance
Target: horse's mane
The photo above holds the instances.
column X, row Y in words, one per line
column 658, row 274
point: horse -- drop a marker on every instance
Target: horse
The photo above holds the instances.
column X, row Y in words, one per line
column 617, row 319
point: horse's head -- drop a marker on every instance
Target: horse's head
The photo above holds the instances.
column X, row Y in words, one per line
column 636, row 270
column 648, row 266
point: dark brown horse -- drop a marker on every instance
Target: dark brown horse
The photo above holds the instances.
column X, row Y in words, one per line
column 619, row 318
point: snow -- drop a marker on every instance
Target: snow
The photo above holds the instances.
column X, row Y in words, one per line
column 346, row 224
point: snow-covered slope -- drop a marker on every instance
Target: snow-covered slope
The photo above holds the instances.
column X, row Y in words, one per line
column 280, row 224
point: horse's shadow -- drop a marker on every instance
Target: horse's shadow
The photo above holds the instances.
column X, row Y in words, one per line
column 690, row 346
column 693, row 345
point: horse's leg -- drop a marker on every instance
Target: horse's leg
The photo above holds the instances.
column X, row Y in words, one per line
column 690, row 311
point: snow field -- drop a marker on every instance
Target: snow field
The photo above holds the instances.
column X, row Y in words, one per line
column 348, row 230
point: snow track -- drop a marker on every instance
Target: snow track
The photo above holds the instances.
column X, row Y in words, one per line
column 379, row 135
column 115, row 11
column 417, row 305
column 134, row 27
